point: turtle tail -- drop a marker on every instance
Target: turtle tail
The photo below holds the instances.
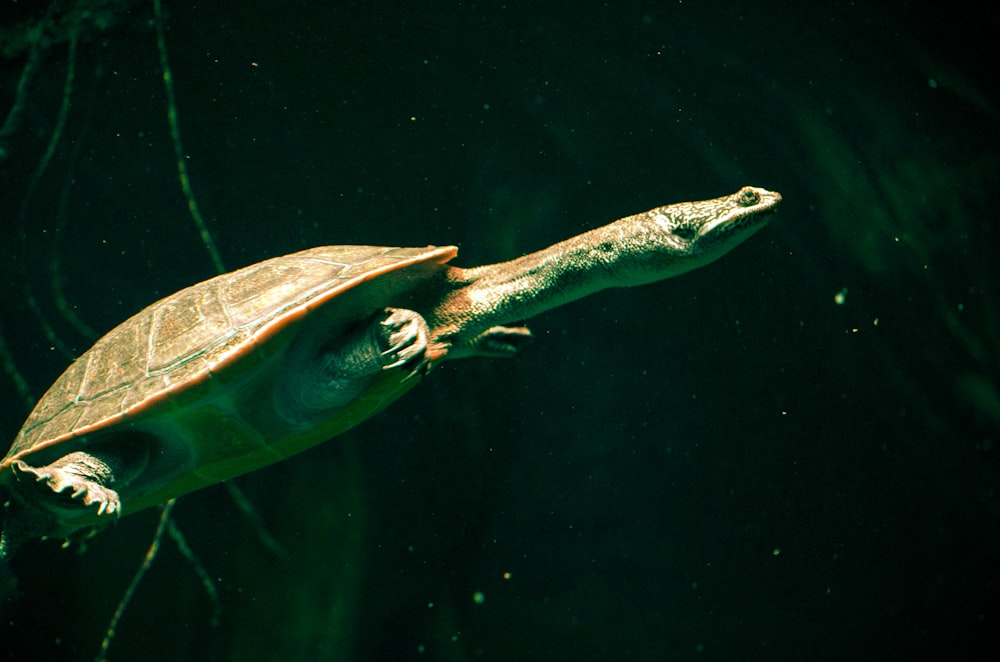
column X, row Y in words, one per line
column 11, row 535
column 18, row 526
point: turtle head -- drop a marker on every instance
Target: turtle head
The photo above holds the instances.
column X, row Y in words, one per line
column 673, row 239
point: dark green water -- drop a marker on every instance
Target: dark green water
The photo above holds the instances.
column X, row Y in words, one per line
column 788, row 455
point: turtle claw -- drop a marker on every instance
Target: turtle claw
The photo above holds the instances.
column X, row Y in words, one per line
column 406, row 334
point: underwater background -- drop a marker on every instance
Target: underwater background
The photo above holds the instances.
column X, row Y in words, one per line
column 788, row 455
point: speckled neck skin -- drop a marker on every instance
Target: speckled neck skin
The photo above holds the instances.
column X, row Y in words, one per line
column 644, row 248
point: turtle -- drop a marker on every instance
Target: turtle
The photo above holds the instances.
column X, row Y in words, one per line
column 250, row 367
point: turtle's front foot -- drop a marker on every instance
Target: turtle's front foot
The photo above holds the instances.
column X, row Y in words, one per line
column 70, row 484
column 405, row 336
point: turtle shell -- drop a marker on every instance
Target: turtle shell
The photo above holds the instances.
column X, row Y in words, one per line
column 193, row 375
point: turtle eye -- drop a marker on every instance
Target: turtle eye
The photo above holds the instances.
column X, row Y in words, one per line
column 749, row 197
column 685, row 232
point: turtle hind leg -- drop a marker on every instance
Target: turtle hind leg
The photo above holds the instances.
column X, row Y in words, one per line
column 74, row 494
column 82, row 483
column 77, row 481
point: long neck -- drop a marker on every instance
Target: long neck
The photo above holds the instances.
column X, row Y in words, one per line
column 532, row 284
column 647, row 247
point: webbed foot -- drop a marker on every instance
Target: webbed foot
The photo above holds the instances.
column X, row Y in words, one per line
column 70, row 484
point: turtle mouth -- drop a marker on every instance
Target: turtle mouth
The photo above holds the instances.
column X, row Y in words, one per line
column 746, row 219
column 741, row 227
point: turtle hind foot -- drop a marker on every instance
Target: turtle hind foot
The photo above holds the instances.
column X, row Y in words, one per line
column 72, row 483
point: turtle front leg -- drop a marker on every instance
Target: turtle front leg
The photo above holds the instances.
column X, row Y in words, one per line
column 405, row 336
column 77, row 481
column 494, row 342
column 321, row 375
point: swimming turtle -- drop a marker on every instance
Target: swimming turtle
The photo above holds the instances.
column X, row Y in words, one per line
column 250, row 367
